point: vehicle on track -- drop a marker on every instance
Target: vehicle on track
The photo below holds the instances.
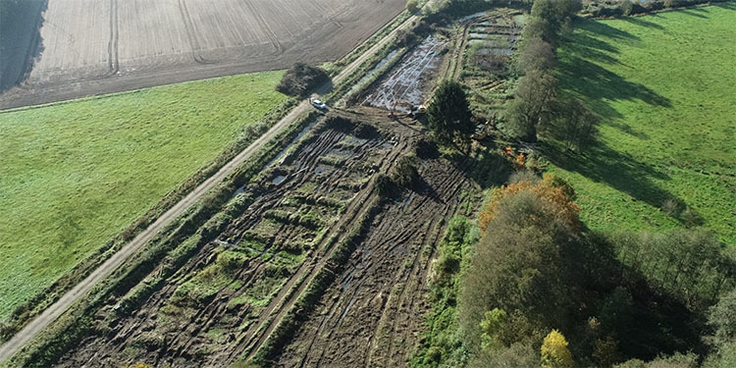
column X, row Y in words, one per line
column 317, row 103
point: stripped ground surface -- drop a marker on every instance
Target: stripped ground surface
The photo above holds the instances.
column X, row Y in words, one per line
column 480, row 58
column 410, row 80
column 211, row 311
column 371, row 317
column 87, row 47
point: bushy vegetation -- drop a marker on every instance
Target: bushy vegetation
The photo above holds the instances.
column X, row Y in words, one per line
column 82, row 171
column 539, row 289
column 301, row 80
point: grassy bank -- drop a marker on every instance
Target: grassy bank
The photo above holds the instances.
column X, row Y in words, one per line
column 77, row 173
column 664, row 87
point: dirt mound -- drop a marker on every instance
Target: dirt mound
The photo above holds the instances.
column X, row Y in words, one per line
column 301, row 79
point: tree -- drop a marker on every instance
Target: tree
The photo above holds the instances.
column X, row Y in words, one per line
column 491, row 327
column 575, row 125
column 722, row 318
column 412, row 6
column 521, row 264
column 536, row 54
column 449, row 114
column 555, row 353
column 550, row 188
column 534, row 104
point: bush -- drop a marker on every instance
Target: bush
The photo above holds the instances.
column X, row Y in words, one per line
column 406, row 174
column 301, row 79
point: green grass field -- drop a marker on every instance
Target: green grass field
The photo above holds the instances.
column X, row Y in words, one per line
column 665, row 86
column 75, row 174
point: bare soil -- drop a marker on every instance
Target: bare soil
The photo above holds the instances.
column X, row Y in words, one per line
column 372, row 316
column 205, row 317
column 90, row 47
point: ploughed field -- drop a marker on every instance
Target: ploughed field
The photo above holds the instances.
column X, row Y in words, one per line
column 73, row 48
column 279, row 238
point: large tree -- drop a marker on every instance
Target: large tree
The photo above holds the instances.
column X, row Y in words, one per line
column 449, row 113
column 534, row 104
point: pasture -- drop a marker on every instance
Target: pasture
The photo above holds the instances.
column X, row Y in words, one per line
column 75, row 174
column 664, row 86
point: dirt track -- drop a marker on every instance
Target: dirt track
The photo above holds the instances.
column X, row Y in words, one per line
column 90, row 47
column 59, row 307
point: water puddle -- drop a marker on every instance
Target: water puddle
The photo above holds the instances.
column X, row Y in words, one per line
column 278, row 179
column 299, row 136
column 408, row 200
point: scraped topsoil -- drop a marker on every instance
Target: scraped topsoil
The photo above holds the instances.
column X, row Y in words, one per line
column 225, row 300
column 410, row 81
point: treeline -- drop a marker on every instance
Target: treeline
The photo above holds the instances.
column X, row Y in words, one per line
column 542, row 290
column 629, row 7
column 538, row 107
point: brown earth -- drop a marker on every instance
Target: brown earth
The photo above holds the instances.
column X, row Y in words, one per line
column 203, row 316
column 91, row 47
column 373, row 316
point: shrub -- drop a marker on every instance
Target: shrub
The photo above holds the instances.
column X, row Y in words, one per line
column 412, row 6
column 406, row 174
column 301, row 79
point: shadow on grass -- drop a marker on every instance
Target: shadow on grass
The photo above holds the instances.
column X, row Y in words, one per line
column 581, row 74
column 640, row 21
column 617, row 169
column 696, row 13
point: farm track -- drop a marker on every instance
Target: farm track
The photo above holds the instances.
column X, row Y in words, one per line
column 48, row 316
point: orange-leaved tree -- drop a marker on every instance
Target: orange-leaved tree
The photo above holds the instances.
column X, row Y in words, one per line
column 550, row 188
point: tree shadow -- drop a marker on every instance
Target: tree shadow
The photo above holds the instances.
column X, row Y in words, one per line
column 581, row 73
column 726, row 5
column 619, row 170
column 20, row 40
column 694, row 13
column 639, row 21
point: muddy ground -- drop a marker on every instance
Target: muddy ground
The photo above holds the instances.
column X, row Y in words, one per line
column 233, row 291
column 372, row 317
column 411, row 80
column 87, row 47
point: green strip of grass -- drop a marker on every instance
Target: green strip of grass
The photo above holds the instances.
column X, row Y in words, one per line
column 75, row 174
column 664, row 85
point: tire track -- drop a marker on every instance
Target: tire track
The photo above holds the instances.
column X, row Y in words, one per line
column 278, row 48
column 191, row 34
column 113, row 61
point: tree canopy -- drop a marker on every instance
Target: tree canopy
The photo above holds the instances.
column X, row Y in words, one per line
column 449, row 113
